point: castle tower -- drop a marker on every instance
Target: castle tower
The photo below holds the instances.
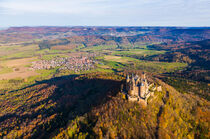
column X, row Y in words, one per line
column 132, row 78
column 138, row 80
column 144, row 75
column 142, row 90
column 139, row 85
column 133, row 87
column 147, row 87
column 128, row 83
column 136, row 89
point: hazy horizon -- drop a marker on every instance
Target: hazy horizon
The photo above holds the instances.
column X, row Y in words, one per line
column 180, row 13
column 3, row 27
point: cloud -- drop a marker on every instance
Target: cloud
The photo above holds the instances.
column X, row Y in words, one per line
column 79, row 6
column 100, row 6
column 55, row 6
column 108, row 12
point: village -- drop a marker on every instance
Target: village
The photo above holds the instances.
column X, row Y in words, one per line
column 75, row 63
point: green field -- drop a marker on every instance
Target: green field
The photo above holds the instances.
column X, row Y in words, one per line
column 99, row 48
column 138, row 52
column 109, row 59
column 117, row 62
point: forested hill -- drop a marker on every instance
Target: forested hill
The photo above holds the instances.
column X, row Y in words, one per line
column 92, row 106
column 20, row 34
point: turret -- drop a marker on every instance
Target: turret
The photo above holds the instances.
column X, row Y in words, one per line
column 142, row 89
column 143, row 75
column 127, row 79
column 133, row 81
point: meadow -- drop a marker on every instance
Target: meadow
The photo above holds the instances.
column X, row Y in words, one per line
column 16, row 60
column 118, row 62
column 138, row 52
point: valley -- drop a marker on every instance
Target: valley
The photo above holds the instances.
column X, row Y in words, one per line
column 66, row 82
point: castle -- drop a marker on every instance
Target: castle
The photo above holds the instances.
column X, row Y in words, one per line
column 138, row 89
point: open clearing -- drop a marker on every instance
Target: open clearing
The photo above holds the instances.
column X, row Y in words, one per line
column 19, row 68
column 150, row 66
column 117, row 59
column 19, row 62
column 22, row 73
column 140, row 52
column 16, row 51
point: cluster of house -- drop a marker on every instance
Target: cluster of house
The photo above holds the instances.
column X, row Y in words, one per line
column 138, row 89
column 76, row 64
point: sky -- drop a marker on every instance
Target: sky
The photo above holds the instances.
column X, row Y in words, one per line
column 104, row 13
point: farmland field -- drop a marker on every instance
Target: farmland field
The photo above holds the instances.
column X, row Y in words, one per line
column 147, row 65
column 16, row 61
column 63, row 82
column 18, row 68
column 139, row 52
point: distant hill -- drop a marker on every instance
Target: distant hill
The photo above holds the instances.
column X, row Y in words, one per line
column 19, row 34
column 196, row 53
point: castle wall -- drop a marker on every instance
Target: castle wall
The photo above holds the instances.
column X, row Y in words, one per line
column 142, row 101
column 136, row 93
column 132, row 93
column 159, row 88
column 142, row 91
column 133, row 98
column 147, row 96
column 138, row 89
column 127, row 87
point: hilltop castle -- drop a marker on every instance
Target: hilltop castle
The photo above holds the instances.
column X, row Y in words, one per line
column 138, row 89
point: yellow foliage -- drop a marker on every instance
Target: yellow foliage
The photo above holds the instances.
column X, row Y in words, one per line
column 190, row 136
column 100, row 134
column 123, row 96
column 112, row 135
